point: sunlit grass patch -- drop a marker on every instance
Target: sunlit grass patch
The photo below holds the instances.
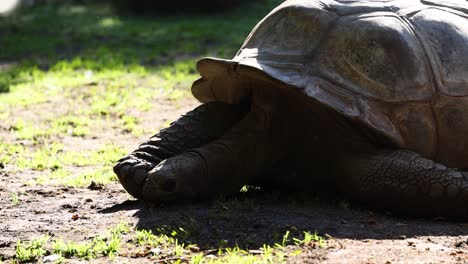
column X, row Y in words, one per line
column 102, row 245
column 163, row 248
column 117, row 97
column 146, row 237
column 130, row 125
column 167, row 241
column 23, row 94
column 106, row 244
column 308, row 238
column 26, row 131
column 34, row 85
column 189, row 253
column 72, row 125
column 115, row 88
column 60, row 167
column 103, row 156
column 76, row 43
column 169, row 247
column 58, row 126
column 31, row 251
column 267, row 255
column 53, row 156
column 70, row 178
column 8, row 152
column 43, row 158
column 14, row 199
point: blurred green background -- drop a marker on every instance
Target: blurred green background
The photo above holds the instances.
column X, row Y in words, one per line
column 67, row 37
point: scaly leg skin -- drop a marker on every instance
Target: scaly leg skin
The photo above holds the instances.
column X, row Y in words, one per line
column 220, row 167
column 407, row 183
column 196, row 128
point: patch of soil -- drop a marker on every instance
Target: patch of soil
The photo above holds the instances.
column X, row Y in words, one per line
column 352, row 235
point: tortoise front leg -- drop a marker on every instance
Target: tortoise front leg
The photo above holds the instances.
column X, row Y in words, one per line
column 406, row 182
column 194, row 129
column 222, row 166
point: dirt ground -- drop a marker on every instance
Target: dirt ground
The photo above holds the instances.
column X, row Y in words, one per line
column 249, row 221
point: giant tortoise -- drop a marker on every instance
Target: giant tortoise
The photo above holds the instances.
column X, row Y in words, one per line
column 366, row 98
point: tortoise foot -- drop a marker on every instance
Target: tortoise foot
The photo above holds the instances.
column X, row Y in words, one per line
column 174, row 178
column 132, row 171
column 194, row 129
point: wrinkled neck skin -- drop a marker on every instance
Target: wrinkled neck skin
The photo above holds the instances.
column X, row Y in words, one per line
column 307, row 138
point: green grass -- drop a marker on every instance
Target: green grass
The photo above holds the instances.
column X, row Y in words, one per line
column 65, row 177
column 53, row 157
column 60, row 166
column 102, row 245
column 8, row 151
column 73, row 40
column 141, row 243
column 309, row 238
column 14, row 199
column 26, row 252
column 65, row 125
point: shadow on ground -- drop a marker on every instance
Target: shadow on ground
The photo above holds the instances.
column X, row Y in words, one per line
column 250, row 222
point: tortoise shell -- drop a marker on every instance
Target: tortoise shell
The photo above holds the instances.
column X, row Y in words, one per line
column 399, row 67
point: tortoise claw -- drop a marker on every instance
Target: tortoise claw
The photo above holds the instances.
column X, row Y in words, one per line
column 171, row 178
column 132, row 173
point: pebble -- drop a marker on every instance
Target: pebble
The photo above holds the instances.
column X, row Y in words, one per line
column 155, row 251
column 51, row 258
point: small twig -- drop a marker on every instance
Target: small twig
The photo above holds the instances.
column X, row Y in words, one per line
column 205, row 252
column 209, row 251
column 171, row 259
